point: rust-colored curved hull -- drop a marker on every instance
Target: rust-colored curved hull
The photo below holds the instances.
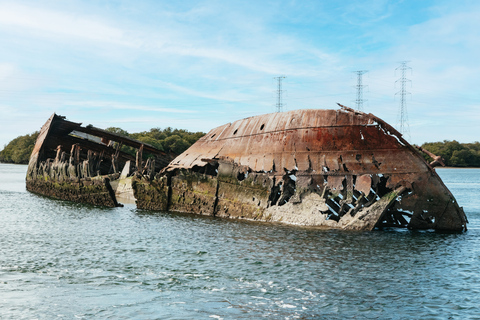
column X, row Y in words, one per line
column 331, row 168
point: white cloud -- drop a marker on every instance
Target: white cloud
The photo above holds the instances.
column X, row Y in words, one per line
column 259, row 52
column 6, row 70
column 39, row 20
column 124, row 106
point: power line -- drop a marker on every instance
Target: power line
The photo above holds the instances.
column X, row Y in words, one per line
column 279, row 104
column 402, row 119
column 359, row 101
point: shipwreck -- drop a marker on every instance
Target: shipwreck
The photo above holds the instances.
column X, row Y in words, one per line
column 341, row 169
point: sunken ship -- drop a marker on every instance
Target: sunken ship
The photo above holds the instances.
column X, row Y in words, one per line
column 340, row 169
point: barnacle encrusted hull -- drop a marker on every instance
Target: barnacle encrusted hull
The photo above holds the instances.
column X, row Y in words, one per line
column 324, row 168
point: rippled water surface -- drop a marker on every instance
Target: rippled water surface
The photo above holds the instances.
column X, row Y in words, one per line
column 61, row 260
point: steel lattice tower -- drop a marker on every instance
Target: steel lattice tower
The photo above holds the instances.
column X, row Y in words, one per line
column 279, row 104
column 359, row 101
column 402, row 119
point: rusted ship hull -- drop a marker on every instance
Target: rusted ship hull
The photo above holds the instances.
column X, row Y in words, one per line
column 324, row 168
column 85, row 164
column 321, row 168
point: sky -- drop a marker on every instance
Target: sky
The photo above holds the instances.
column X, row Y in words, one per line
column 197, row 65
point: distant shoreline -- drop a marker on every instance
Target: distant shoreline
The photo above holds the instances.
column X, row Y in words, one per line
column 22, row 164
column 457, row 168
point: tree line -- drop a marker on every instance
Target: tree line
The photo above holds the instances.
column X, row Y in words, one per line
column 18, row 150
column 455, row 154
column 168, row 140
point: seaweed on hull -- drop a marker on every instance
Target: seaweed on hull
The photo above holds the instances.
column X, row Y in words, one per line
column 341, row 169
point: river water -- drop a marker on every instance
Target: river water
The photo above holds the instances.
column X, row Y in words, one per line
column 61, row 260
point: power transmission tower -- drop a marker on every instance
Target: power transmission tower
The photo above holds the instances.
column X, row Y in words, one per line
column 279, row 104
column 402, row 119
column 359, row 101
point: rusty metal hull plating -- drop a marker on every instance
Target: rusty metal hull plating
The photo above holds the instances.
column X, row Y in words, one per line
column 324, row 168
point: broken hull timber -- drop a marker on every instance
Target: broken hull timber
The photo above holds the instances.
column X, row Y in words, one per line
column 83, row 164
column 322, row 168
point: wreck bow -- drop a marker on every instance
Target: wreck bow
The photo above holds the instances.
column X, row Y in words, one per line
column 327, row 168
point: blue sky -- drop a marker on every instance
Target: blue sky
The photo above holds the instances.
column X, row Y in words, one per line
column 196, row 65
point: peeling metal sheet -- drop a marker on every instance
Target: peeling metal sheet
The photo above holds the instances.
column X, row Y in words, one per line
column 335, row 183
column 363, row 184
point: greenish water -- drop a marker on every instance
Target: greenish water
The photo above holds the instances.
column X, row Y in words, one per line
column 61, row 260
